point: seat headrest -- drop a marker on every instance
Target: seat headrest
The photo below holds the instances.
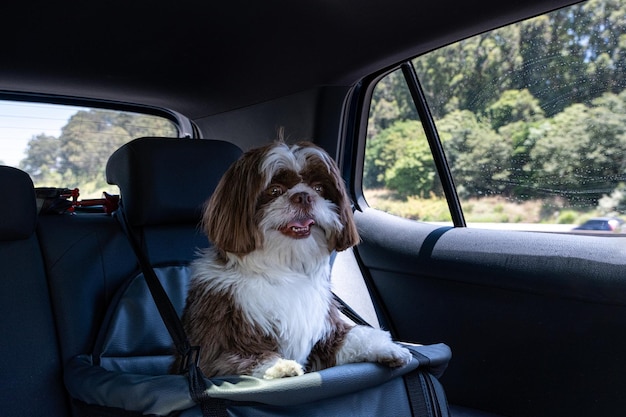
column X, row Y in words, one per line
column 18, row 211
column 168, row 180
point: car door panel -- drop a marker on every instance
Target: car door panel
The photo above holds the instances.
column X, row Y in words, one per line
column 535, row 320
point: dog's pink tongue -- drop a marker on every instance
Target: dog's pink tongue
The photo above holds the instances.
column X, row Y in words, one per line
column 299, row 228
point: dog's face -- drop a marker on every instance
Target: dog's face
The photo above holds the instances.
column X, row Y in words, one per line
column 280, row 192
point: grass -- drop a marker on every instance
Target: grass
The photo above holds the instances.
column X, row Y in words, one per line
column 495, row 209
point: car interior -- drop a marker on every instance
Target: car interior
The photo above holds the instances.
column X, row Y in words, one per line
column 534, row 314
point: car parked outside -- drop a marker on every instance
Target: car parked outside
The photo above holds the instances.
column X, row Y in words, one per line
column 604, row 224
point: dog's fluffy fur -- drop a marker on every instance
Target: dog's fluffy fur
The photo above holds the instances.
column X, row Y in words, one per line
column 260, row 301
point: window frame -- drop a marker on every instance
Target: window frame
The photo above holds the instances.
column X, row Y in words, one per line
column 434, row 141
column 186, row 128
column 355, row 132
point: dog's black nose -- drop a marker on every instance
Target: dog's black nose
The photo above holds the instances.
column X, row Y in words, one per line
column 301, row 198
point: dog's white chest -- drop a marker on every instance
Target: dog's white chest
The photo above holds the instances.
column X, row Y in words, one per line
column 293, row 309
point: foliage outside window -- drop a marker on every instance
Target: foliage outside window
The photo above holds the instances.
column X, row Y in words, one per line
column 532, row 118
column 68, row 147
column 399, row 174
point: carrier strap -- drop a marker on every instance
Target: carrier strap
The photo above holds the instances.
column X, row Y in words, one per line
column 211, row 407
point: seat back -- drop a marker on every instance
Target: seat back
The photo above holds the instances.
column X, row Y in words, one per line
column 30, row 362
column 164, row 185
column 89, row 260
column 88, row 256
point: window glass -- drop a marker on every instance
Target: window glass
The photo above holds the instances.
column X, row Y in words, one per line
column 68, row 147
column 532, row 118
column 399, row 175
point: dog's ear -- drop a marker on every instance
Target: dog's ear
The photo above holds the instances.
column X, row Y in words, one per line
column 229, row 217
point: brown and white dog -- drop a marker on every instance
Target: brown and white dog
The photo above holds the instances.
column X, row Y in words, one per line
column 260, row 301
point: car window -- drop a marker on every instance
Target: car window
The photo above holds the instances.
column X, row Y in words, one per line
column 399, row 174
column 532, row 119
column 68, row 147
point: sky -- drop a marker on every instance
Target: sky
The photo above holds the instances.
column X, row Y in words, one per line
column 20, row 121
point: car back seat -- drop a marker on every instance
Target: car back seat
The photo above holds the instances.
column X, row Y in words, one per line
column 30, row 361
column 87, row 258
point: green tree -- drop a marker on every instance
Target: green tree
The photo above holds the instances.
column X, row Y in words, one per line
column 42, row 154
column 478, row 156
column 78, row 157
column 605, row 35
column 391, row 101
column 551, row 56
column 513, row 106
column 583, row 45
column 413, row 173
column 557, row 163
column 399, row 159
column 515, row 115
column 581, row 155
column 86, row 143
column 461, row 76
column 522, row 136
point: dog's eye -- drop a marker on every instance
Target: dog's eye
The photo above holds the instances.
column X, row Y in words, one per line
column 318, row 188
column 275, row 190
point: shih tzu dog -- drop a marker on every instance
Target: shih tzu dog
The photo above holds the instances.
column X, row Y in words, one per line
column 260, row 301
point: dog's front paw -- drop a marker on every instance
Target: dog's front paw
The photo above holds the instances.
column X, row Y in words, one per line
column 283, row 368
column 396, row 356
column 365, row 344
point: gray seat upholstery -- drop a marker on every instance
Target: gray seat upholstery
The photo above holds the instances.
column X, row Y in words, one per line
column 30, row 361
column 164, row 184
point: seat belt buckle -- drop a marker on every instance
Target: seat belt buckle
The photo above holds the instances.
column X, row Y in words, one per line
column 190, row 358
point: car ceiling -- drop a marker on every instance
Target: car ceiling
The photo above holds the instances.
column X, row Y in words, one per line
column 204, row 58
